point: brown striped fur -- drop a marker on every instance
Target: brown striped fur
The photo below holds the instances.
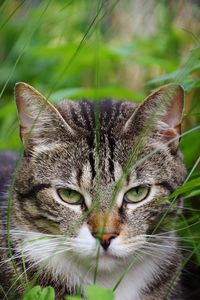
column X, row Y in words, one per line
column 101, row 149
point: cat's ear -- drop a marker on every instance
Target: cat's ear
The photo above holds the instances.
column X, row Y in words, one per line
column 33, row 110
column 170, row 101
column 162, row 111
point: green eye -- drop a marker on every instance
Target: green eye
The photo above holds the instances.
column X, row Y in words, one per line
column 137, row 194
column 70, row 196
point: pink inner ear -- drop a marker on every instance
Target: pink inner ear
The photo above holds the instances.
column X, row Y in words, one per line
column 25, row 120
column 169, row 134
column 174, row 114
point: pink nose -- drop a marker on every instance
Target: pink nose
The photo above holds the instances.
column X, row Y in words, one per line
column 105, row 238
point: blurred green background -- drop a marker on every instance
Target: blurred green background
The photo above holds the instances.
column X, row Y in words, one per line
column 93, row 49
column 90, row 48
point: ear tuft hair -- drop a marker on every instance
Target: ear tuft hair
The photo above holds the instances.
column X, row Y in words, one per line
column 34, row 111
column 162, row 111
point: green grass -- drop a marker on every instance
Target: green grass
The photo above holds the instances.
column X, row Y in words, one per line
column 79, row 49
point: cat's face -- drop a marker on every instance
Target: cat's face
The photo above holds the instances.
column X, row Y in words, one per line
column 92, row 174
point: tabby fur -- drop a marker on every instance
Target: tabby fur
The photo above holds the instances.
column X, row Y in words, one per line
column 100, row 149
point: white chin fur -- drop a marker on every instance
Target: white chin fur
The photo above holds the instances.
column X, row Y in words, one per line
column 86, row 247
column 74, row 265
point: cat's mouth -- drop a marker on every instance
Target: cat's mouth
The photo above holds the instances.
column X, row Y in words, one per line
column 111, row 255
column 102, row 255
column 107, row 255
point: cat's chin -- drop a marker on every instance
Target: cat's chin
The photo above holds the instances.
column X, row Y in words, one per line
column 107, row 264
column 107, row 261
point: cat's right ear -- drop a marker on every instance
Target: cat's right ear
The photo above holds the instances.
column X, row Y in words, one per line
column 161, row 112
column 34, row 111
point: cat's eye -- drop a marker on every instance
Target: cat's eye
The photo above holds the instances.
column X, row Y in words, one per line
column 137, row 194
column 70, row 196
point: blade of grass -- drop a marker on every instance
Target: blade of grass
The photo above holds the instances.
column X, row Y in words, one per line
column 134, row 259
column 4, row 293
column 24, row 48
column 179, row 270
column 10, row 251
column 96, row 263
column 173, row 201
column 12, row 13
column 80, row 45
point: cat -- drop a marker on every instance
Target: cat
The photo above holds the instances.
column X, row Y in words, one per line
column 87, row 195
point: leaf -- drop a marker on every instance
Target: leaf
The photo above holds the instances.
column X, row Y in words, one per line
column 192, row 194
column 95, row 292
column 190, row 185
column 187, row 187
column 39, row 293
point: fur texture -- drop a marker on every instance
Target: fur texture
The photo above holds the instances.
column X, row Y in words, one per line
column 102, row 150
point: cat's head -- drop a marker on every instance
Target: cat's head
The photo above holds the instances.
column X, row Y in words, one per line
column 93, row 172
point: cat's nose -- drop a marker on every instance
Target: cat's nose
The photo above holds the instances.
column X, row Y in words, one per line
column 105, row 238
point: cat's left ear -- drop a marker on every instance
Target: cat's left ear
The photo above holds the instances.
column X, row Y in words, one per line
column 170, row 99
column 162, row 112
column 36, row 114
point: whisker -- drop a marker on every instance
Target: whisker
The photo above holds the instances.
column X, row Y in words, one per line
column 168, row 237
column 180, row 229
column 38, row 262
column 187, row 208
column 34, row 233
column 164, row 247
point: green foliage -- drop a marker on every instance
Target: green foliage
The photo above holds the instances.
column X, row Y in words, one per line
column 39, row 293
column 41, row 46
column 75, row 49
column 95, row 292
column 191, row 188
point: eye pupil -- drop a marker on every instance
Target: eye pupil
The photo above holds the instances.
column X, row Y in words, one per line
column 137, row 194
column 70, row 196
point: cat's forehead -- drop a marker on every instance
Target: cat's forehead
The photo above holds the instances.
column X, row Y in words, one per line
column 96, row 153
column 97, row 145
column 98, row 135
column 98, row 127
column 99, row 148
column 100, row 115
